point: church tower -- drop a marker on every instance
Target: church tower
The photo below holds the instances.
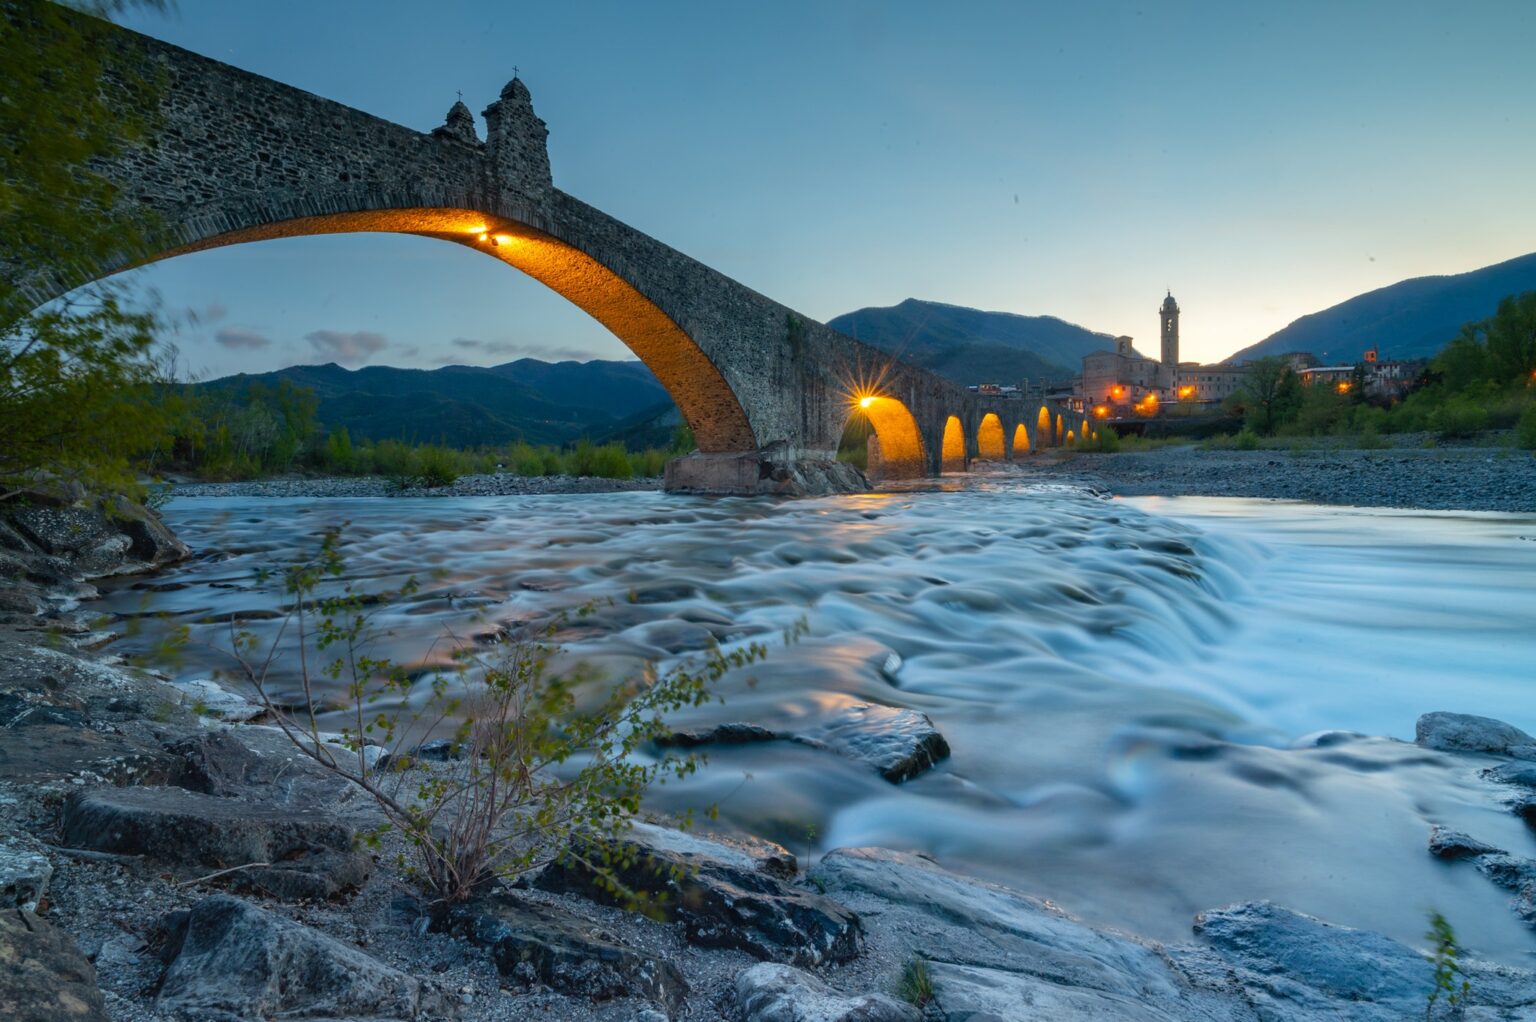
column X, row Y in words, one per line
column 1170, row 315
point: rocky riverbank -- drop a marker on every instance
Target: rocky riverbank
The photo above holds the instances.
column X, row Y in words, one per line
column 498, row 485
column 1439, row 478
column 165, row 855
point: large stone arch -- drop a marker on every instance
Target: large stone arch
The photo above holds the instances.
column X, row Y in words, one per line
column 990, row 444
column 899, row 449
column 707, row 402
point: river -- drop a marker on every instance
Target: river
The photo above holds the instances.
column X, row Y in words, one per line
column 1133, row 689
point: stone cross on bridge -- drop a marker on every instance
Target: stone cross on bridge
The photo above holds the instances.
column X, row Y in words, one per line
column 235, row 157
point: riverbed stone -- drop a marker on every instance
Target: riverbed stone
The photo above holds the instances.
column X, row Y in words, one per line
column 1453, row 844
column 295, row 853
column 1519, row 774
column 1464, row 732
column 43, row 975
column 769, row 992
column 898, row 743
column 722, row 896
column 228, row 959
column 24, row 871
column 534, row 944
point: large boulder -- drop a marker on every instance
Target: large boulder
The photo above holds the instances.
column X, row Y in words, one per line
column 43, row 975
column 724, row 897
column 532, row 944
column 283, row 851
column 1463, row 732
column 95, row 538
column 258, row 765
column 227, row 960
column 768, row 992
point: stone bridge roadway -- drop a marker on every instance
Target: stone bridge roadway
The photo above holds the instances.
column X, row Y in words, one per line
column 235, row 157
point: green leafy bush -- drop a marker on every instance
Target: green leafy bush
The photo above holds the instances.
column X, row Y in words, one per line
column 1247, row 440
column 1458, row 417
column 1525, row 428
column 437, row 466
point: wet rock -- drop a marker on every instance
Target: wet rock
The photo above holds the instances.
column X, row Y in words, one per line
column 259, row 767
column 720, row 894
column 1516, row 875
column 1453, row 844
column 898, row 743
column 1463, row 732
column 1519, row 774
column 768, row 992
column 24, row 872
column 210, row 699
column 533, row 944
column 292, row 853
column 43, row 975
column 228, row 959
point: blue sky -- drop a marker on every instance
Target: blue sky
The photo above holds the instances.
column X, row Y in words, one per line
column 1074, row 159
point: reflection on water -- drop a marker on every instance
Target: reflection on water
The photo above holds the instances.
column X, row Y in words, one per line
column 1126, row 685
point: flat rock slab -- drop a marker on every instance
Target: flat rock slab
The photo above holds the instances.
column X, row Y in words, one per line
column 228, row 959
column 768, row 992
column 534, row 944
column 898, row 743
column 43, row 975
column 997, row 954
column 307, row 853
column 720, row 894
column 1463, row 732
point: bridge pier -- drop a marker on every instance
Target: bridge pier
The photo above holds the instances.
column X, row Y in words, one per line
column 762, row 473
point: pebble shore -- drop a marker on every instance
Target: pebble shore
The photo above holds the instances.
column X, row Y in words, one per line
column 1438, row 478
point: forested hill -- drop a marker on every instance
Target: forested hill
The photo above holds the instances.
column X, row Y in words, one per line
column 973, row 346
column 1410, row 319
column 466, row 406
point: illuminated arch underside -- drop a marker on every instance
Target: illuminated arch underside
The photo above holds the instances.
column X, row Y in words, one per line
column 989, row 438
column 1020, row 440
column 901, row 445
column 706, row 400
column 954, row 446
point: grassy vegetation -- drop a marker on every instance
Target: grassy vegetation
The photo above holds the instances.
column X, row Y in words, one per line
column 265, row 431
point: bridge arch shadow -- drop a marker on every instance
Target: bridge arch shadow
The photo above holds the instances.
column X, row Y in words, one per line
column 708, row 404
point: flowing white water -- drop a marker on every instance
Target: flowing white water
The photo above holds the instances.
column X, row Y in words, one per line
column 1126, row 684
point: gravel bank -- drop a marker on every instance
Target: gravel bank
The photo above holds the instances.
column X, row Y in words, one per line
column 500, row 485
column 1465, row 479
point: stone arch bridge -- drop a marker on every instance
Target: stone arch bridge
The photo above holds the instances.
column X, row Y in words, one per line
column 235, row 157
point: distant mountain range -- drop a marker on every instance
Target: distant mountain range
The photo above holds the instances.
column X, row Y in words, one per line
column 1410, row 319
column 465, row 406
column 971, row 346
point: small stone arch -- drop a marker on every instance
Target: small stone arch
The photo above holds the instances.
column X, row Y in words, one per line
column 1020, row 440
column 896, row 448
column 989, row 438
column 952, row 451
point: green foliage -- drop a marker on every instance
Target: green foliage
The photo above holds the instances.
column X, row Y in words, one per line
column 1247, row 440
column 916, row 985
column 1525, row 429
column 1459, row 417
column 544, row 765
column 436, row 466
column 1104, row 440
column 77, row 377
column 1444, row 954
column 610, row 461
column 1271, row 395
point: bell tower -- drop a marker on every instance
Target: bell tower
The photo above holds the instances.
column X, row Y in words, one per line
column 1170, row 316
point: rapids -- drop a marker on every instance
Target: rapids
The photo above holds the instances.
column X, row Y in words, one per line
column 1132, row 688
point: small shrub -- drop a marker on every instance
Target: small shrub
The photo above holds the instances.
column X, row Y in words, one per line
column 1247, row 440
column 547, row 767
column 437, row 466
column 916, row 986
column 1444, row 952
column 1370, row 438
column 1459, row 418
column 1103, row 440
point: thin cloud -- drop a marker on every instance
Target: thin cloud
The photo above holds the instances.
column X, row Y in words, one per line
column 238, row 338
column 549, row 353
column 359, row 346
